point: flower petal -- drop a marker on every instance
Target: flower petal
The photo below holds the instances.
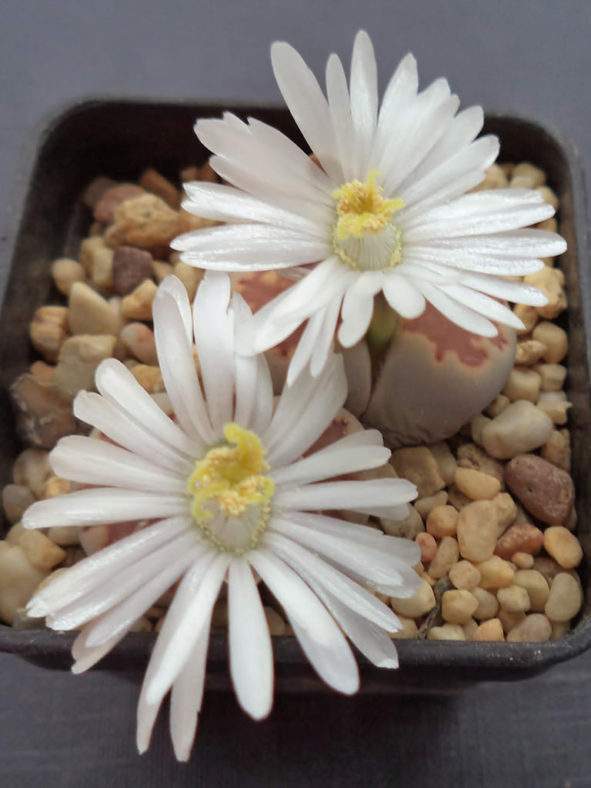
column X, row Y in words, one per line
column 356, row 496
column 186, row 698
column 403, row 296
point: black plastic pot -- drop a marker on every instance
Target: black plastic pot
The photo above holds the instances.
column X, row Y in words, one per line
column 119, row 139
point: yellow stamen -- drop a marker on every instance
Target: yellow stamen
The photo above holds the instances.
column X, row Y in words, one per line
column 232, row 476
column 362, row 209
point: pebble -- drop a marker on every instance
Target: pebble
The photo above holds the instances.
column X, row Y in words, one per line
column 64, row 535
column 522, row 538
column 464, row 575
column 88, row 249
column 498, row 405
column 534, row 628
column 522, row 560
column 446, row 632
column 528, row 316
column 442, row 521
column 547, row 566
column 95, row 190
column 495, row 572
column 138, row 304
column 447, row 554
column 418, row 465
column 78, row 360
column 490, row 631
column 48, row 329
column 149, row 378
column 559, row 629
column 44, row 414
column 189, row 276
column 41, row 551
column 546, row 491
column 475, row 484
column 555, row 405
column 510, row 620
column 153, row 181
column 18, row 581
column 31, row 468
column 563, row 546
column 551, row 282
column 557, row 450
column 160, row 270
column 555, row 339
column 90, row 313
column 529, row 351
column 506, row 511
column 527, row 175
column 131, row 267
column 408, row 629
column 445, row 460
column 139, row 339
column 565, row 598
column 477, row 531
column 422, row 602
column 523, row 384
column 552, row 376
column 16, row 498
column 536, row 586
column 101, row 268
column 488, row 605
column 472, row 456
column 65, row 272
column 514, row 599
column 104, row 210
column 520, row 428
column 458, row 606
column 425, row 506
column 428, row 546
column 145, row 221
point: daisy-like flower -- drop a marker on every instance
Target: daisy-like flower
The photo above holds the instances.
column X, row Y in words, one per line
column 232, row 494
column 381, row 206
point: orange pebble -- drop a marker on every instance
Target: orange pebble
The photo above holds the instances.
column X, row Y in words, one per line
column 428, row 546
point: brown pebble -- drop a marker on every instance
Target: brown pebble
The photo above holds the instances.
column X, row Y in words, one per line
column 519, row 539
column 546, row 491
column 130, row 267
column 153, row 181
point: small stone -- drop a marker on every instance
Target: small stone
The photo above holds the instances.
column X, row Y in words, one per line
column 18, row 581
column 189, row 221
column 551, row 282
column 48, row 330
column 565, row 598
column 529, row 351
column 131, row 267
column 563, row 546
column 490, row 631
column 471, row 456
column 442, row 521
column 95, row 190
column 418, row 465
column 90, row 313
column 422, row 602
column 513, row 599
column 41, row 371
column 458, row 606
column 522, row 560
column 64, row 535
column 495, row 178
column 523, row 384
column 498, row 405
column 555, row 339
column 79, row 358
column 139, row 339
column 104, row 210
column 138, row 304
column 153, row 181
column 31, row 468
column 149, row 378
column 530, row 176
column 510, row 620
column 534, row 628
column 548, row 196
column 470, row 628
column 520, row 428
column 408, row 629
column 477, row 530
column 536, row 586
column 464, row 575
column 446, row 632
column 546, row 491
column 477, row 424
column 146, row 221
column 101, row 269
column 488, row 605
column 408, row 528
column 476, row 485
column 425, row 505
column 428, row 547
column 457, row 499
column 161, row 270
column 495, row 572
column 447, row 554
column 555, row 405
column 14, row 535
column 559, row 629
column 44, row 414
column 445, row 460
column 88, row 249
column 189, row 276
column 506, row 511
column 41, row 551
column 274, row 621
column 552, row 376
column 16, row 498
column 528, row 316
column 547, row 566
column 557, row 450
column 65, row 272
column 55, row 486
column 523, row 538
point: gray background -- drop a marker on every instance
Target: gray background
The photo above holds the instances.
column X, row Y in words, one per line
column 532, row 57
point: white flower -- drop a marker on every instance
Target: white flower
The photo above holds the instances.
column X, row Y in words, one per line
column 386, row 210
column 231, row 499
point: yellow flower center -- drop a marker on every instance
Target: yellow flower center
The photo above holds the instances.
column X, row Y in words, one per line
column 362, row 209
column 232, row 476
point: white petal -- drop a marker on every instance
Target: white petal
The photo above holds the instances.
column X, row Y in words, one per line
column 489, row 307
column 86, row 657
column 403, row 296
column 357, row 309
column 512, row 244
column 501, row 288
column 457, row 313
column 398, row 96
column 251, row 654
column 356, row 496
column 342, row 123
column 186, row 698
column 336, row 460
column 364, row 96
column 466, row 260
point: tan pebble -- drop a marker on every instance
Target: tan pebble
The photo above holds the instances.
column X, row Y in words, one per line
column 458, row 606
column 65, row 272
column 428, row 546
column 44, row 414
column 104, row 210
column 506, row 511
column 418, row 465
column 477, row 531
column 477, row 425
column 510, row 620
column 425, row 505
column 41, row 551
column 94, row 538
column 146, row 221
column 559, row 629
column 528, row 315
column 189, row 276
column 41, row 371
column 523, row 384
column 161, row 270
column 563, row 546
column 519, row 539
column 548, row 196
column 446, row 556
column 470, row 628
column 112, row 238
column 32, row 469
column 514, row 599
column 408, row 629
column 520, row 428
column 274, row 621
column 552, row 376
column 476, row 485
column 18, row 580
column 64, row 535
column 149, row 378
column 408, row 527
column 78, row 360
column 139, row 339
column 472, row 456
column 526, row 170
column 56, row 486
column 442, row 521
column 547, row 566
column 495, row 573
column 446, row 632
column 488, row 605
column 565, row 599
column 550, row 225
column 557, row 450
column 48, row 330
column 88, row 249
column 522, row 560
column 498, row 405
column 536, row 586
column 422, row 602
column 457, row 499
column 490, row 631
column 495, row 178
column 153, row 181
column 101, row 272
column 529, row 352
column 16, row 498
column 555, row 339
column 555, row 405
column 534, row 628
column 14, row 534
column 464, row 575
column 90, row 313
column 445, row 460
column 138, row 304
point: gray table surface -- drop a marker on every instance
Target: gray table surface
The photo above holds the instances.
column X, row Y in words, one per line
column 527, row 56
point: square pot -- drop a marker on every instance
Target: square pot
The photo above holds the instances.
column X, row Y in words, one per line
column 120, row 139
